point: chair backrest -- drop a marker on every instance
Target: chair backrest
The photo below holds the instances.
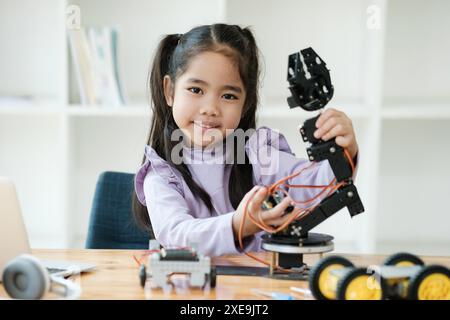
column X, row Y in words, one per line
column 111, row 224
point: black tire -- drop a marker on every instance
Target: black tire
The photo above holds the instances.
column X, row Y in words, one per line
column 142, row 275
column 213, row 277
column 316, row 271
column 403, row 257
column 345, row 281
column 416, row 280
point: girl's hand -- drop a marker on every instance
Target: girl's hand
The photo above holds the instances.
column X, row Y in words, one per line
column 335, row 124
column 271, row 217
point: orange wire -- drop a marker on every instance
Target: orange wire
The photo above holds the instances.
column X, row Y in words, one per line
column 304, row 186
column 145, row 254
column 300, row 214
column 276, row 184
column 350, row 160
column 315, row 197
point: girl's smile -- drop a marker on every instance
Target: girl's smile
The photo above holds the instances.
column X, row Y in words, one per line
column 206, row 125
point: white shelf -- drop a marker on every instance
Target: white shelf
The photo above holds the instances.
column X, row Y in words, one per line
column 278, row 109
column 31, row 110
column 416, row 112
column 104, row 111
column 77, row 110
column 354, row 111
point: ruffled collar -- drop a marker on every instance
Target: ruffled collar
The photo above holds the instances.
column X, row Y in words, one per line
column 198, row 155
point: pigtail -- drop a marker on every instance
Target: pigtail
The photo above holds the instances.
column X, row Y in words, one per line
column 161, row 111
column 241, row 176
column 160, row 68
column 253, row 69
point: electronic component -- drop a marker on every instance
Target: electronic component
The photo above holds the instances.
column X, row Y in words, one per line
column 325, row 150
column 166, row 262
column 310, row 87
column 274, row 199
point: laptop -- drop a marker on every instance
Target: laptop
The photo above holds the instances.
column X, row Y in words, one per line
column 14, row 238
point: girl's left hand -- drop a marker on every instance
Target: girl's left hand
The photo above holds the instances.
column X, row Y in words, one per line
column 333, row 123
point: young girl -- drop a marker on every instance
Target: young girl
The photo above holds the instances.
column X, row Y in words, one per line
column 204, row 84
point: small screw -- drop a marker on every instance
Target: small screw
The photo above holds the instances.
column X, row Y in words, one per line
column 332, row 149
column 309, row 152
column 311, row 158
column 349, row 194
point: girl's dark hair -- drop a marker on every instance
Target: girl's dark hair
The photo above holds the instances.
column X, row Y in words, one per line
column 172, row 58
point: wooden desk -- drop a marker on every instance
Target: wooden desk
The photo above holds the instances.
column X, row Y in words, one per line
column 117, row 276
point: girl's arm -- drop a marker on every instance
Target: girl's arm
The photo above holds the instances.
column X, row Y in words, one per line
column 175, row 226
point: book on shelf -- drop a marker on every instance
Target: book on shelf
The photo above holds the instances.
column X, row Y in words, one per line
column 94, row 55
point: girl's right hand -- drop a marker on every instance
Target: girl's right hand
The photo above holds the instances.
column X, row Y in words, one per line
column 273, row 217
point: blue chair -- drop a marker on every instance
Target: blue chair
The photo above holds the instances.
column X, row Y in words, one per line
column 111, row 224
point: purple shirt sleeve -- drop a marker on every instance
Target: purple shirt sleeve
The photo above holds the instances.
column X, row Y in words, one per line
column 175, row 226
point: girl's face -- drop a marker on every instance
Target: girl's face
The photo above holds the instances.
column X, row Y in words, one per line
column 208, row 99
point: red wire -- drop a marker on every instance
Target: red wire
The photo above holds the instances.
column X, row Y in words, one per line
column 145, row 254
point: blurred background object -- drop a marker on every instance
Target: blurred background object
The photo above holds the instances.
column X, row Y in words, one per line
column 390, row 67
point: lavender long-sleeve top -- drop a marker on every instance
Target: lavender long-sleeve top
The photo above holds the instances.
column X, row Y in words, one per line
column 179, row 218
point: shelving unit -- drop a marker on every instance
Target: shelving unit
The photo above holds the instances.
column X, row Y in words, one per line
column 394, row 82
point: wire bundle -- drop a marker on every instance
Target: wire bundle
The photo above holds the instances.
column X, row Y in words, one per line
column 300, row 210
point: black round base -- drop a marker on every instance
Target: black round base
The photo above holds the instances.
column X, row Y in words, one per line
column 288, row 253
column 313, row 239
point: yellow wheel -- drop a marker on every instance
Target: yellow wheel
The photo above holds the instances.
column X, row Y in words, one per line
column 430, row 283
column 359, row 284
column 322, row 283
column 403, row 259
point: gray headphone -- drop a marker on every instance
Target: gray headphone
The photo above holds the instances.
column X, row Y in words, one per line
column 26, row 278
